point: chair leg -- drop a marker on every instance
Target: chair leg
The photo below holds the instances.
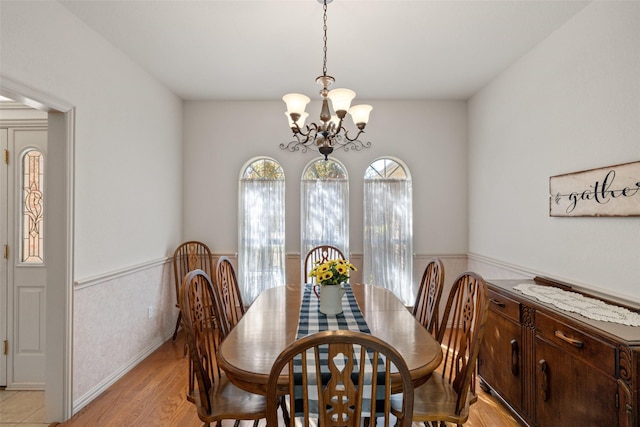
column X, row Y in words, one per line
column 175, row 332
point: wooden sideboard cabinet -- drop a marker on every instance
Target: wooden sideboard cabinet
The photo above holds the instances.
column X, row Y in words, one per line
column 556, row 368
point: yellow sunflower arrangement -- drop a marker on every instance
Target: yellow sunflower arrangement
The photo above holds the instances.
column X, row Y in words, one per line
column 332, row 272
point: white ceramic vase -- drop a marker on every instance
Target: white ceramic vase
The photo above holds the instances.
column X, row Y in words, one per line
column 331, row 299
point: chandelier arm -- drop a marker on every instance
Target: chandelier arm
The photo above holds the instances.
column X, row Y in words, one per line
column 307, row 137
column 339, row 127
column 311, row 129
column 346, row 135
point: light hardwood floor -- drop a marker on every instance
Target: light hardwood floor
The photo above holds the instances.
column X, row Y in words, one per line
column 22, row 409
column 153, row 394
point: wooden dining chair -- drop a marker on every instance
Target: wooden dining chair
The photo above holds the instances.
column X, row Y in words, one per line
column 191, row 255
column 229, row 295
column 448, row 393
column 426, row 307
column 340, row 396
column 216, row 398
column 320, row 254
column 228, row 306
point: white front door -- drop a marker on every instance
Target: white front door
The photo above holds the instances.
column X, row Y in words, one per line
column 26, row 262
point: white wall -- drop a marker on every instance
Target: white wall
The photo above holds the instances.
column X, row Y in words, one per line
column 570, row 104
column 430, row 137
column 128, row 135
column 128, row 182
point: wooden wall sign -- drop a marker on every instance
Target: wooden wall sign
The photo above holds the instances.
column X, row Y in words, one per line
column 608, row 191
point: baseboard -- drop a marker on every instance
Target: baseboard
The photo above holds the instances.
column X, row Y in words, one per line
column 25, row 387
column 101, row 387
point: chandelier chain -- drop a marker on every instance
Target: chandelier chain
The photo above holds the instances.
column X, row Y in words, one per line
column 324, row 39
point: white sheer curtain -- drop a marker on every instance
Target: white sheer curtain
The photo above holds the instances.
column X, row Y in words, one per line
column 261, row 255
column 324, row 214
column 388, row 236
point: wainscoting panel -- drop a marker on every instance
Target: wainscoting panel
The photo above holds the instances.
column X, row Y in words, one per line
column 119, row 319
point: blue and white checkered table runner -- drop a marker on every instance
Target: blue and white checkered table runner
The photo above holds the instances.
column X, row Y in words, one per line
column 311, row 321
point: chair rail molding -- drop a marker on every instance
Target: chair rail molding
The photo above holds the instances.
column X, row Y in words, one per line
column 116, row 274
column 494, row 269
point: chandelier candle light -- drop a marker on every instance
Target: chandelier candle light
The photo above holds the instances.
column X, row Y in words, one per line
column 329, row 133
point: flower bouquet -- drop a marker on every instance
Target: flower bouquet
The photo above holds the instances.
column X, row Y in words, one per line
column 332, row 272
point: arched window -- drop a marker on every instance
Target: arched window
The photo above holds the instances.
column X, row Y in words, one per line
column 388, row 228
column 32, row 207
column 324, row 207
column 261, row 256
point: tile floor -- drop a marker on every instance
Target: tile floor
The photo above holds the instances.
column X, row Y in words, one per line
column 22, row 409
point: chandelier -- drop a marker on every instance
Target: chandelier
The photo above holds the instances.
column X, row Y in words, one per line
column 329, row 133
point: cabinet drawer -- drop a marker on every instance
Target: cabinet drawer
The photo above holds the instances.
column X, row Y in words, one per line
column 505, row 305
column 576, row 343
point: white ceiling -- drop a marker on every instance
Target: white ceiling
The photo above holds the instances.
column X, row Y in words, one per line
column 384, row 49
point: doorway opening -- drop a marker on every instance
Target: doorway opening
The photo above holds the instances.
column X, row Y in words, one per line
column 58, row 244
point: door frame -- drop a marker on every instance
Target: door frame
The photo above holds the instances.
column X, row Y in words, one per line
column 4, row 265
column 59, row 244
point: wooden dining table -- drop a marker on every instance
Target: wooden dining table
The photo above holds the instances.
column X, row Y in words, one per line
column 270, row 324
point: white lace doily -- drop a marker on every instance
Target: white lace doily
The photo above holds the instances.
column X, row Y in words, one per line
column 591, row 308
